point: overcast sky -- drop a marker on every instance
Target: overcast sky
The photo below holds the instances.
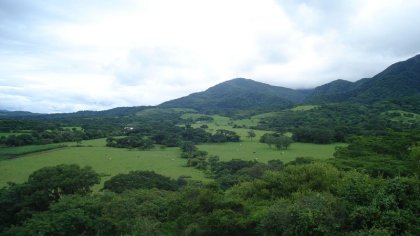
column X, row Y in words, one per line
column 63, row 56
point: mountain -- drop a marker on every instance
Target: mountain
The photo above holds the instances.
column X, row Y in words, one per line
column 239, row 94
column 399, row 80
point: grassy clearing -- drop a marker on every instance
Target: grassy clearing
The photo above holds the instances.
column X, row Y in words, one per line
column 15, row 132
column 193, row 116
column 265, row 115
column 72, row 127
column 221, row 122
column 8, row 134
column 162, row 111
column 304, row 108
column 402, row 116
column 253, row 150
column 104, row 160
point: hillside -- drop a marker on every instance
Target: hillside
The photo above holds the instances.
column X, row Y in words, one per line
column 239, row 94
column 399, row 80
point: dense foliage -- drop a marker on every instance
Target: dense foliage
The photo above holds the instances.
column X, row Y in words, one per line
column 298, row 199
column 18, row 202
column 139, row 180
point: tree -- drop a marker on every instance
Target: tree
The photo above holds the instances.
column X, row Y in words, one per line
column 62, row 180
column 282, row 142
column 44, row 187
column 251, row 134
column 139, row 180
column 223, row 135
column 279, row 140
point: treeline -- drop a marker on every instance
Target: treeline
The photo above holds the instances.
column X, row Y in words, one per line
column 330, row 123
column 391, row 154
column 170, row 136
column 159, row 123
column 274, row 199
column 50, row 136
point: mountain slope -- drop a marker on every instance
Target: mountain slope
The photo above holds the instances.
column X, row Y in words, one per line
column 239, row 94
column 334, row 90
column 399, row 80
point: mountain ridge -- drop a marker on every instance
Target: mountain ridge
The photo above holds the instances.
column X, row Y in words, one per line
column 398, row 80
column 239, row 94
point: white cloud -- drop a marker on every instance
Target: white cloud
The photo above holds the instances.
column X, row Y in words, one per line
column 64, row 56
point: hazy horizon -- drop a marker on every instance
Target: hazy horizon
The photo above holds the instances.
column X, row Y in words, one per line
column 60, row 56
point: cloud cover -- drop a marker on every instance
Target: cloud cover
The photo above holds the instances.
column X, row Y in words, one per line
column 62, row 56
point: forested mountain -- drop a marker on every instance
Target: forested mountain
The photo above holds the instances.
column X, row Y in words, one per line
column 239, row 94
column 399, row 80
column 337, row 90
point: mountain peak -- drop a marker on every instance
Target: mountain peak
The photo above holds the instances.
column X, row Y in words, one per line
column 237, row 94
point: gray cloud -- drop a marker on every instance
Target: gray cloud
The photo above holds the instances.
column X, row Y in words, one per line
column 58, row 56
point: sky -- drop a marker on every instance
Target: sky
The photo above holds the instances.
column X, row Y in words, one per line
column 65, row 56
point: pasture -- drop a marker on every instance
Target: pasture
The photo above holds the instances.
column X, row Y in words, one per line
column 253, row 150
column 104, row 160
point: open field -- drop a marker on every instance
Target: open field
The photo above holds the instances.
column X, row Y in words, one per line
column 252, row 150
column 104, row 160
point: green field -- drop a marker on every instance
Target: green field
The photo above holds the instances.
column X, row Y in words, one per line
column 104, row 160
column 19, row 132
column 304, row 108
column 248, row 150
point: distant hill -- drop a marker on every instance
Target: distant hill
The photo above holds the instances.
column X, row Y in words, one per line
column 238, row 94
column 5, row 114
column 399, row 80
column 114, row 112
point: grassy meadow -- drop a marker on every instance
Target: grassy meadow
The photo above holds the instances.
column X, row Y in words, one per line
column 104, row 160
column 251, row 150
